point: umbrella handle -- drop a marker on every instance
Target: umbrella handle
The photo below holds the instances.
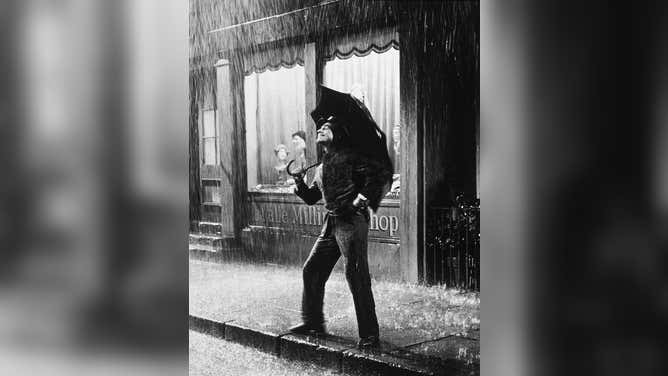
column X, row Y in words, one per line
column 300, row 172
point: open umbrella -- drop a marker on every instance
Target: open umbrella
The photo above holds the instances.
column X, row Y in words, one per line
column 364, row 134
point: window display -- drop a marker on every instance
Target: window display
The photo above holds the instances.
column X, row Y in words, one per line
column 274, row 105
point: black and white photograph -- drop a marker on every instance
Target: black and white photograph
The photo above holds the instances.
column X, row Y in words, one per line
column 334, row 188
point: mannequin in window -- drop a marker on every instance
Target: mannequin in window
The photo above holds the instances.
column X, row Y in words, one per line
column 396, row 181
column 282, row 177
column 299, row 145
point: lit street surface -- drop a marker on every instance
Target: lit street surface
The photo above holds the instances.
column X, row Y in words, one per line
column 430, row 321
column 212, row 356
column 267, row 297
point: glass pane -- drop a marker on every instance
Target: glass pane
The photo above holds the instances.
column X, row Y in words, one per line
column 275, row 130
column 209, row 152
column 209, row 123
column 211, row 190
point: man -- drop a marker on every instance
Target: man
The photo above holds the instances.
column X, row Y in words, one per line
column 350, row 183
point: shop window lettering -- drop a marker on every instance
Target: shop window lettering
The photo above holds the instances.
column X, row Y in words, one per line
column 315, row 216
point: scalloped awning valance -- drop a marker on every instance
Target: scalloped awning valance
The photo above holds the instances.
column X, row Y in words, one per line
column 361, row 44
column 272, row 56
column 284, row 54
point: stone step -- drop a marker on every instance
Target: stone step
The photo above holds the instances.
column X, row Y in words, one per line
column 203, row 248
column 210, row 228
column 206, row 239
column 211, row 243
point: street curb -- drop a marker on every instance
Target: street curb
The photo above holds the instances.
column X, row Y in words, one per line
column 261, row 340
column 355, row 361
column 331, row 352
column 326, row 352
column 206, row 326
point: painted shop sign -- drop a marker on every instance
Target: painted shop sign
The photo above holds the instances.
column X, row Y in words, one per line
column 383, row 223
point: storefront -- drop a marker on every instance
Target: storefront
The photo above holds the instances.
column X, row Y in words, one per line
column 254, row 83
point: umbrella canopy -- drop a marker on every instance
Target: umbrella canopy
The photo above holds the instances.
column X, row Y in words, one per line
column 364, row 134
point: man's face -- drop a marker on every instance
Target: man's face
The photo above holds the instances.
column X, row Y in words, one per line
column 324, row 135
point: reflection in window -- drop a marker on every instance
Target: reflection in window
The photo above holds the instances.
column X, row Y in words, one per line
column 209, row 138
column 274, row 104
column 374, row 79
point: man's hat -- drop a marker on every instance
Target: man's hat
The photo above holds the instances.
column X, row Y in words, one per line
column 319, row 121
column 339, row 129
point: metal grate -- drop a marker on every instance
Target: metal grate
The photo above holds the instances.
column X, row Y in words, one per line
column 452, row 252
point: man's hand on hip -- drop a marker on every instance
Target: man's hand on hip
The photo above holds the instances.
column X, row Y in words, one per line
column 360, row 201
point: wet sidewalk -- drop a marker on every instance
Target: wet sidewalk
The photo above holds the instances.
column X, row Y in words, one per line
column 432, row 330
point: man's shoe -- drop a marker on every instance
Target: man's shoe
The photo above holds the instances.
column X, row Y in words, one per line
column 307, row 329
column 368, row 342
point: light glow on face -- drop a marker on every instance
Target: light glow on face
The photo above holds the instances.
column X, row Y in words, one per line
column 324, row 134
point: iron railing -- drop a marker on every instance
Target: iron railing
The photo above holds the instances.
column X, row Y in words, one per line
column 452, row 249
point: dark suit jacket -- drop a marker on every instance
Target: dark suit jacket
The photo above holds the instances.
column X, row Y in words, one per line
column 343, row 175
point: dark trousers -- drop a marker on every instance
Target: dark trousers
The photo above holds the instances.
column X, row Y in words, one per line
column 348, row 237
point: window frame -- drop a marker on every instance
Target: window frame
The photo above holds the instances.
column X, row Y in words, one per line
column 203, row 138
column 268, row 188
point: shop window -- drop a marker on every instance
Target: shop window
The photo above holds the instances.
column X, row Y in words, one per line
column 275, row 131
column 373, row 78
column 209, row 138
